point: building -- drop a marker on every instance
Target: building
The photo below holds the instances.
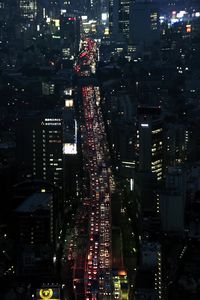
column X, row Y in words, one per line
column 70, row 145
column 172, row 201
column 54, row 8
column 148, row 283
column 96, row 9
column 70, row 34
column 35, row 220
column 35, row 236
column 144, row 23
column 150, row 141
column 28, row 9
column 119, row 19
column 40, row 146
column 48, row 88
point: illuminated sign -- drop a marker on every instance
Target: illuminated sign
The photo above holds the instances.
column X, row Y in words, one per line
column 122, row 273
column 69, row 148
column 72, row 19
column 188, row 28
column 84, row 18
column 69, row 103
column 67, row 91
column 104, row 16
column 106, row 31
column 144, row 125
column 48, row 293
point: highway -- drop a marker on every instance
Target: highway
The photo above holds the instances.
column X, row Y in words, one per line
column 92, row 276
column 90, row 253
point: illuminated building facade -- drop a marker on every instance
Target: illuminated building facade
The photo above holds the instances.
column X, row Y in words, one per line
column 28, row 8
column 150, row 141
column 47, row 156
column 70, row 146
column 119, row 16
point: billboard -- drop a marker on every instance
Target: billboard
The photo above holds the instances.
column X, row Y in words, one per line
column 70, row 136
column 48, row 293
column 69, row 148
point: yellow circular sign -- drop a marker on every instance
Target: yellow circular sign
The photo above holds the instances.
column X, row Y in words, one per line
column 46, row 294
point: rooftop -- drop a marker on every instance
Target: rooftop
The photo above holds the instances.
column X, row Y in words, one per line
column 37, row 201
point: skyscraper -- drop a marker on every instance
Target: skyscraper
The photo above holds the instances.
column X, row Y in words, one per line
column 144, row 23
column 40, row 146
column 28, row 8
column 150, row 141
column 119, row 11
column 70, row 33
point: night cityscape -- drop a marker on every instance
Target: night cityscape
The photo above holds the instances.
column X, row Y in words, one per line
column 100, row 149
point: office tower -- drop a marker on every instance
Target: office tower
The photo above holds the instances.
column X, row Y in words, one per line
column 172, row 200
column 96, row 9
column 28, row 8
column 35, row 235
column 70, row 34
column 177, row 144
column 3, row 10
column 54, row 8
column 119, row 11
column 70, row 146
column 78, row 7
column 148, row 281
column 35, row 220
column 150, row 141
column 40, row 146
column 144, row 23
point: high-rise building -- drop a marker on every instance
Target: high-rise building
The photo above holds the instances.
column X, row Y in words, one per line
column 35, row 235
column 70, row 146
column 95, row 9
column 119, row 16
column 144, row 23
column 172, row 201
column 28, row 8
column 148, row 282
column 40, row 146
column 70, row 33
column 54, row 8
column 150, row 141
column 35, row 220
